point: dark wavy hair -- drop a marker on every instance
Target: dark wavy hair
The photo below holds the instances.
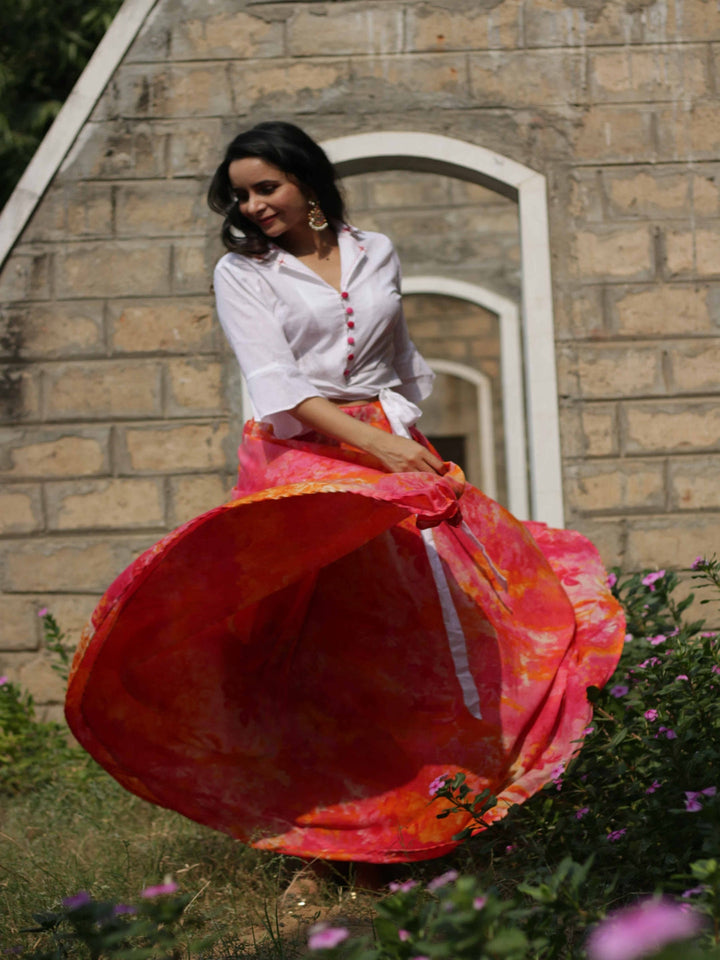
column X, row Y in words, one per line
column 291, row 150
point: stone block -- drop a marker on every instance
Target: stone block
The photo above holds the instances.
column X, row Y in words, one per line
column 110, row 388
column 679, row 253
column 648, row 193
column 125, row 149
column 112, row 269
column 42, row 330
column 112, row 504
column 20, row 509
column 165, row 326
column 706, row 192
column 191, row 496
column 615, row 134
column 26, row 274
column 644, row 74
column 689, row 129
column 291, row 86
column 54, row 452
column 660, row 310
column 20, row 393
column 579, row 313
column 226, row 35
column 615, row 485
column 44, row 684
column 192, row 268
column 194, row 387
column 707, row 251
column 67, row 564
column 195, row 152
column 672, row 541
column 692, row 20
column 180, row 90
column 405, row 189
column 619, row 371
column 350, row 29
column 19, row 622
column 671, row 427
column 527, row 78
column 158, row 209
column 435, row 27
column 616, row 253
column 695, row 367
column 586, row 195
column 77, row 209
column 600, row 431
column 413, row 83
column 694, row 484
column 175, row 448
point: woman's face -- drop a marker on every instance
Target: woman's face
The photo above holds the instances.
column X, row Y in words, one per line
column 268, row 197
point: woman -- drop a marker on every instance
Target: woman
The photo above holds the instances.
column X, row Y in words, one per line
column 299, row 666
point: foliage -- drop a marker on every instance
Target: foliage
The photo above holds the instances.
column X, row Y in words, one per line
column 44, row 45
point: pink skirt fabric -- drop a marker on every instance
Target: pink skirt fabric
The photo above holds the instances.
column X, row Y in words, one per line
column 280, row 667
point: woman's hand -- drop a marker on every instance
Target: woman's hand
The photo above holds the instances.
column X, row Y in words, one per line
column 397, row 454
column 400, row 455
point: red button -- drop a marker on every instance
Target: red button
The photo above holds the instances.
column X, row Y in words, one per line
column 351, row 340
column 351, row 356
column 349, row 311
column 344, row 294
column 346, row 373
column 351, row 324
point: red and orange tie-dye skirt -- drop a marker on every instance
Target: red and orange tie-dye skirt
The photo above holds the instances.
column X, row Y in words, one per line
column 282, row 667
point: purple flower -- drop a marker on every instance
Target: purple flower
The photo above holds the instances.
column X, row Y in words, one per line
column 636, row 931
column 692, row 803
column 619, row 690
column 159, row 890
column 396, row 887
column 323, row 937
column 437, row 784
column 579, row 814
column 479, row 903
column 42, row 612
column 660, row 638
column 709, row 791
column 670, row 734
column 442, row 881
column 650, row 662
column 650, row 579
column 615, row 835
column 651, row 715
column 628, row 637
column 697, row 563
column 403, row 935
column 80, row 899
column 682, row 676
column 611, row 580
column 419, row 958
column 655, row 785
column 587, row 731
column 510, row 848
column 693, row 891
column 121, row 908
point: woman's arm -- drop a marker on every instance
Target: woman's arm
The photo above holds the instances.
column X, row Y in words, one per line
column 397, row 454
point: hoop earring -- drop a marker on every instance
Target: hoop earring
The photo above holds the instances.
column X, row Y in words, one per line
column 316, row 218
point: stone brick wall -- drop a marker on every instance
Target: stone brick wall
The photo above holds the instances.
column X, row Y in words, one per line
column 120, row 401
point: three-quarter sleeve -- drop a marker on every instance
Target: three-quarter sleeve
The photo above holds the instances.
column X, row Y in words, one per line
column 245, row 310
column 415, row 374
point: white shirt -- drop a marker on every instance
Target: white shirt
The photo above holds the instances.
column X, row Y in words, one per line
column 296, row 337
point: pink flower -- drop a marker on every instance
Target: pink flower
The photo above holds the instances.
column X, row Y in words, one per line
column 650, row 579
column 437, row 784
column 709, row 791
column 396, row 887
column 692, row 803
column 670, row 734
column 79, row 899
column 42, row 612
column 587, row 731
column 442, row 881
column 693, row 891
column 637, row 931
column 651, row 715
column 660, row 638
column 628, row 637
column 579, row 814
column 510, row 848
column 121, row 908
column 615, row 835
column 323, row 937
column 4, row 680
column 611, row 580
column 403, row 935
column 682, row 676
column 655, row 785
column 697, row 563
column 650, row 662
column 479, row 903
column 619, row 690
column 715, row 668
column 159, row 890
